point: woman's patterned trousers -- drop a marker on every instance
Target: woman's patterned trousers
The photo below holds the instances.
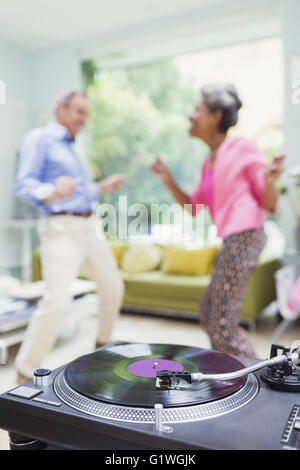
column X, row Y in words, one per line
column 224, row 298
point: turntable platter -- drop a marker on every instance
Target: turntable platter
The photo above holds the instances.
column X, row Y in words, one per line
column 126, row 375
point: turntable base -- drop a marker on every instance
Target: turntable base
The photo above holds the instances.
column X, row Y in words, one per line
column 73, row 409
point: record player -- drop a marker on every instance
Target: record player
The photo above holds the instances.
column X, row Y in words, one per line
column 137, row 396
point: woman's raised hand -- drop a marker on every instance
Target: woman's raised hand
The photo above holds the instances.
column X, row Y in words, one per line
column 161, row 170
column 274, row 170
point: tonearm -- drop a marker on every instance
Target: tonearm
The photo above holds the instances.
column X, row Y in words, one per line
column 284, row 363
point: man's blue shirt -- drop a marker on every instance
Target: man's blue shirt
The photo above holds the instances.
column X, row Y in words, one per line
column 46, row 154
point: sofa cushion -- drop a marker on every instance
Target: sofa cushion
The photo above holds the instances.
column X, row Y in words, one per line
column 179, row 260
column 141, row 258
column 118, row 248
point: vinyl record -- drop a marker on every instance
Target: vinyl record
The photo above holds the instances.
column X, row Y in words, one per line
column 126, row 374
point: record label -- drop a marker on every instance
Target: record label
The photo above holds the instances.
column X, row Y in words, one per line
column 150, row 367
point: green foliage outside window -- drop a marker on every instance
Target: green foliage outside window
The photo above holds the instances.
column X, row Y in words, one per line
column 136, row 113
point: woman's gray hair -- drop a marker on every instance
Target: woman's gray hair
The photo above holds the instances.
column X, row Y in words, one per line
column 224, row 98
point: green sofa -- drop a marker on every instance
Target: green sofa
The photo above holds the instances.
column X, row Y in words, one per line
column 179, row 295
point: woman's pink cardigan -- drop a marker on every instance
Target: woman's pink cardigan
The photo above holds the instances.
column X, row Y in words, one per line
column 238, row 187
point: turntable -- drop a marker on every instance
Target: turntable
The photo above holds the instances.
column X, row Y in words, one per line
column 158, row 396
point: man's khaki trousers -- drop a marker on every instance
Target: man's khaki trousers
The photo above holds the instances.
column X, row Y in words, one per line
column 68, row 243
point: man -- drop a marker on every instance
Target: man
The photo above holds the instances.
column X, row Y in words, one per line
column 52, row 177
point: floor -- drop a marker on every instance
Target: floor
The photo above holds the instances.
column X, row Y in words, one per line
column 146, row 330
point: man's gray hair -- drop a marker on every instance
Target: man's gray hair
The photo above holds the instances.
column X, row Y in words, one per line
column 65, row 97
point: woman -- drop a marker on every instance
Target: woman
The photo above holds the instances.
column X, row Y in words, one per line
column 237, row 186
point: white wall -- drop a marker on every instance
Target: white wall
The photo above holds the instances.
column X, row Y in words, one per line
column 215, row 26
column 212, row 26
column 55, row 71
column 16, row 71
column 15, row 118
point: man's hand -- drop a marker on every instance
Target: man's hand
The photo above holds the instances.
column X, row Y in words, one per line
column 112, row 183
column 274, row 170
column 64, row 188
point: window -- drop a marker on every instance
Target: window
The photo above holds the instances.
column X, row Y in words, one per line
column 137, row 112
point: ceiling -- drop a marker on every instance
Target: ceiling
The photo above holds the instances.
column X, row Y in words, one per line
column 40, row 24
